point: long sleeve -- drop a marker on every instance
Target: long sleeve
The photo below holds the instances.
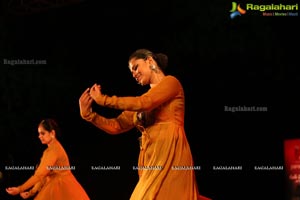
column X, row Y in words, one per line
column 37, row 187
column 123, row 123
column 164, row 91
column 49, row 158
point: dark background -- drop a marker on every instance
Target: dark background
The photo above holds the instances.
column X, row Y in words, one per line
column 248, row 61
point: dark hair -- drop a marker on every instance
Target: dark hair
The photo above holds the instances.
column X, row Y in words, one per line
column 49, row 125
column 160, row 58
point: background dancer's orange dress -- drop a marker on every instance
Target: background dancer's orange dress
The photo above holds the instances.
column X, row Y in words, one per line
column 53, row 179
column 58, row 181
column 165, row 161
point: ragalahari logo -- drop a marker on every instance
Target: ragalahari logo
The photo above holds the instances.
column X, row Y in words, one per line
column 236, row 10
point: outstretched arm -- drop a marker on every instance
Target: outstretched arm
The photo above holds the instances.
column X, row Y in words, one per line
column 26, row 194
column 34, row 190
column 167, row 89
column 41, row 172
column 122, row 123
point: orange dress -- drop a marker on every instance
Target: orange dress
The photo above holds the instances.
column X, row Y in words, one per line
column 53, row 179
column 165, row 164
